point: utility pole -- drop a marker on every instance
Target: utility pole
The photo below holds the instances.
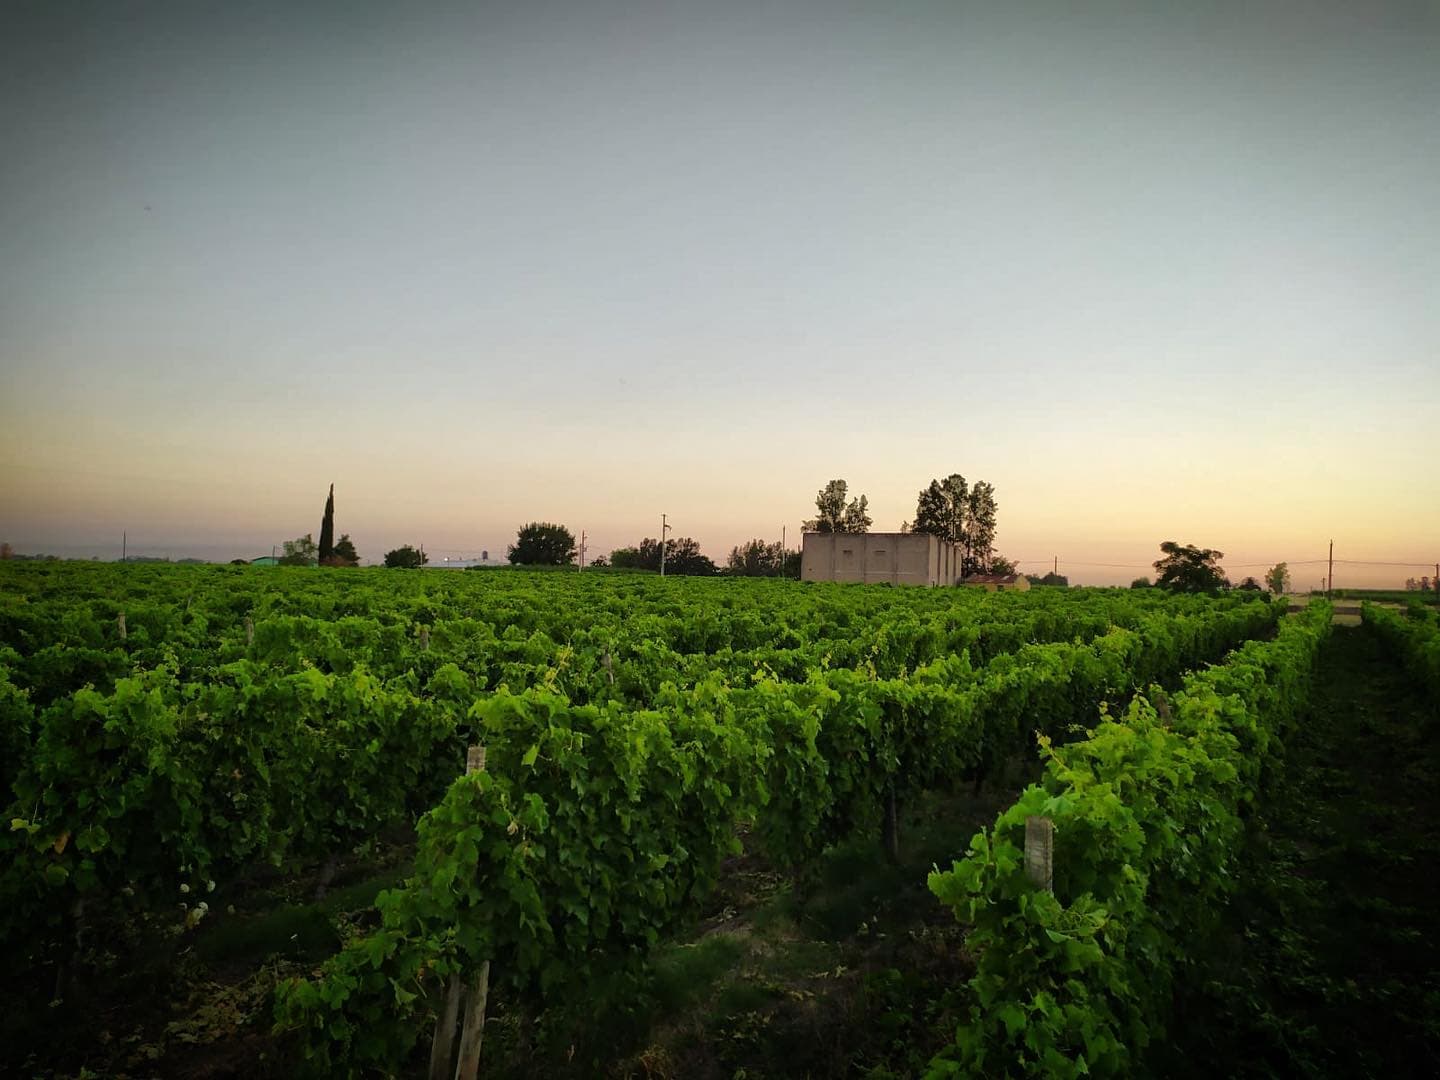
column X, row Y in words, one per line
column 1056, row 570
column 124, row 542
column 582, row 550
column 1330, row 581
column 664, row 528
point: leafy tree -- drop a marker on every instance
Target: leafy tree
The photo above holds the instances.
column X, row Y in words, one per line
column 955, row 511
column 542, row 544
column 1059, row 581
column 1249, row 585
column 627, row 558
column 941, row 508
column 599, row 562
column 1186, row 568
column 327, row 529
column 834, row 515
column 344, row 553
column 760, row 559
column 299, row 552
column 6, row 551
column 1277, row 578
column 648, row 554
column 980, row 514
column 857, row 517
column 682, row 556
column 999, row 564
column 406, row 558
column 1140, row 583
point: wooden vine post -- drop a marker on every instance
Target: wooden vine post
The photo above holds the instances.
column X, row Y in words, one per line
column 425, row 647
column 249, row 631
column 1040, row 852
column 891, row 826
column 478, row 989
column 120, row 622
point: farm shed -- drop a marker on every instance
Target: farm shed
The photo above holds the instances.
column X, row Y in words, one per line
column 876, row 558
column 1000, row 582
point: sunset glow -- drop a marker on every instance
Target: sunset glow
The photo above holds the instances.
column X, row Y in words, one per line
column 1154, row 276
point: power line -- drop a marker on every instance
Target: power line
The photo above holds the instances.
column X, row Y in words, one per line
column 1368, row 562
column 1241, row 566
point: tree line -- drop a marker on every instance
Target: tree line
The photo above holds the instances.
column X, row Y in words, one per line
column 949, row 508
column 1187, row 568
column 547, row 544
column 953, row 509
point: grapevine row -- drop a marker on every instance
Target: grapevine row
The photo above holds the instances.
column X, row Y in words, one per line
column 1147, row 827
column 597, row 828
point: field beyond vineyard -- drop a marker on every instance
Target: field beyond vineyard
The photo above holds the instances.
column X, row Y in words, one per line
column 722, row 827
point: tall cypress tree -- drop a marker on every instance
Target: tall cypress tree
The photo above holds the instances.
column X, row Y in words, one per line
column 327, row 528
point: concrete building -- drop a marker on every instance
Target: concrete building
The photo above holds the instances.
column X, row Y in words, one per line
column 876, row 558
column 998, row 582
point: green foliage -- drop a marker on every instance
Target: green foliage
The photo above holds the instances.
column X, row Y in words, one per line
column 596, row 832
column 1413, row 638
column 1056, row 580
column 981, row 514
column 1146, row 813
column 808, row 762
column 542, row 544
column 942, row 508
column 834, row 515
column 345, row 553
column 628, row 558
column 327, row 529
column 1186, row 568
column 756, row 558
column 406, row 558
column 253, row 718
column 957, row 512
column 299, row 552
column 682, row 556
column 1277, row 579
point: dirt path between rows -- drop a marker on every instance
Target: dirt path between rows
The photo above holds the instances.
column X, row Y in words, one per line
column 1333, row 962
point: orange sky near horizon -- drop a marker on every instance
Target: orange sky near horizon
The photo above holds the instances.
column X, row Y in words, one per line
column 1110, row 505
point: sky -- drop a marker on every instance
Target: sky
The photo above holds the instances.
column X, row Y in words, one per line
column 1154, row 271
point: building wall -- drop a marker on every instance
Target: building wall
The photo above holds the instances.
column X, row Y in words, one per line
column 1020, row 584
column 875, row 558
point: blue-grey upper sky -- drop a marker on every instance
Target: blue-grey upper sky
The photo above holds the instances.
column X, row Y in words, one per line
column 1155, row 271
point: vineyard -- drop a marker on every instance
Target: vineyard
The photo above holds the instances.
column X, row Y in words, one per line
column 556, row 776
